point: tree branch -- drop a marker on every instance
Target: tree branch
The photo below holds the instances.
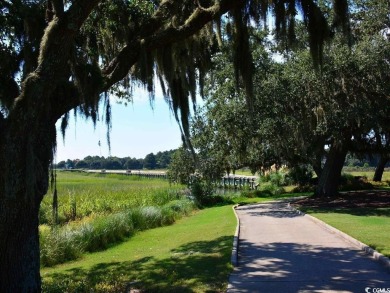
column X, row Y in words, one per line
column 120, row 66
column 152, row 35
column 67, row 99
column 194, row 23
column 58, row 7
column 79, row 11
column 159, row 17
column 149, row 28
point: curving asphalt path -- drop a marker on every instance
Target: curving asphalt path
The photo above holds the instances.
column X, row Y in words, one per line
column 281, row 250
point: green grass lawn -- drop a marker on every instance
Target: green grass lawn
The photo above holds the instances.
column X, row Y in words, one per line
column 244, row 172
column 369, row 225
column 369, row 174
column 192, row 255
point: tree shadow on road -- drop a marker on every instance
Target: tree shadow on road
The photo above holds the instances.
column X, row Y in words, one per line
column 292, row 267
column 276, row 210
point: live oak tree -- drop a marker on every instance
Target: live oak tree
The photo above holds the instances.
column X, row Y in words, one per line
column 182, row 166
column 352, row 91
column 382, row 142
column 347, row 100
column 56, row 56
column 344, row 104
column 302, row 114
column 225, row 128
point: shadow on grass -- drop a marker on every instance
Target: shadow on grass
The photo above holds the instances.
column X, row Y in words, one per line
column 379, row 212
column 357, row 203
column 204, row 265
column 259, row 197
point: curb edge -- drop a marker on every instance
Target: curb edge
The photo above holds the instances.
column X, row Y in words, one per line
column 234, row 257
column 385, row 261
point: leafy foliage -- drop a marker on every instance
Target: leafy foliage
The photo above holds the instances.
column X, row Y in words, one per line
column 182, row 167
column 298, row 112
column 57, row 56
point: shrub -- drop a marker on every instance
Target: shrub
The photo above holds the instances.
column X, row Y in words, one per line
column 181, row 207
column 277, row 178
column 349, row 182
column 104, row 231
column 248, row 193
column 300, row 175
column 201, row 190
column 304, row 188
column 271, row 189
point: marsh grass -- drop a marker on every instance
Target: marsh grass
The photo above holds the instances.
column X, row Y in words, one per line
column 83, row 194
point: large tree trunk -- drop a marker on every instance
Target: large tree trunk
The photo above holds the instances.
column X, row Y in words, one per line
column 331, row 173
column 19, row 257
column 381, row 167
column 28, row 137
column 25, row 155
column 60, row 83
column 317, row 165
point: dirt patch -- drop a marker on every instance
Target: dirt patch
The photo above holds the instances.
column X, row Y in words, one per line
column 351, row 199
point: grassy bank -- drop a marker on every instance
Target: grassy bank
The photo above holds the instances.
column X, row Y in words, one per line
column 96, row 211
column 191, row 256
column 69, row 242
column 369, row 225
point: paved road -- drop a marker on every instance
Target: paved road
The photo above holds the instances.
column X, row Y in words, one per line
column 282, row 251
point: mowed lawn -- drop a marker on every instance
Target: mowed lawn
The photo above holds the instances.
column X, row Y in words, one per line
column 192, row 255
column 369, row 174
column 369, row 225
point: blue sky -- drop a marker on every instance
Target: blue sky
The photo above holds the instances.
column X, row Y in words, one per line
column 137, row 130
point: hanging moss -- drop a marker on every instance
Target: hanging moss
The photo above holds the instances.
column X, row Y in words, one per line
column 242, row 56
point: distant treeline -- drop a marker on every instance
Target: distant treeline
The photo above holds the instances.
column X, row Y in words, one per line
column 151, row 161
column 371, row 160
column 161, row 160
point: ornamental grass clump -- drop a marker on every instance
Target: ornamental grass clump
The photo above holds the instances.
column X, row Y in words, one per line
column 106, row 231
column 59, row 245
column 146, row 217
column 181, row 207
